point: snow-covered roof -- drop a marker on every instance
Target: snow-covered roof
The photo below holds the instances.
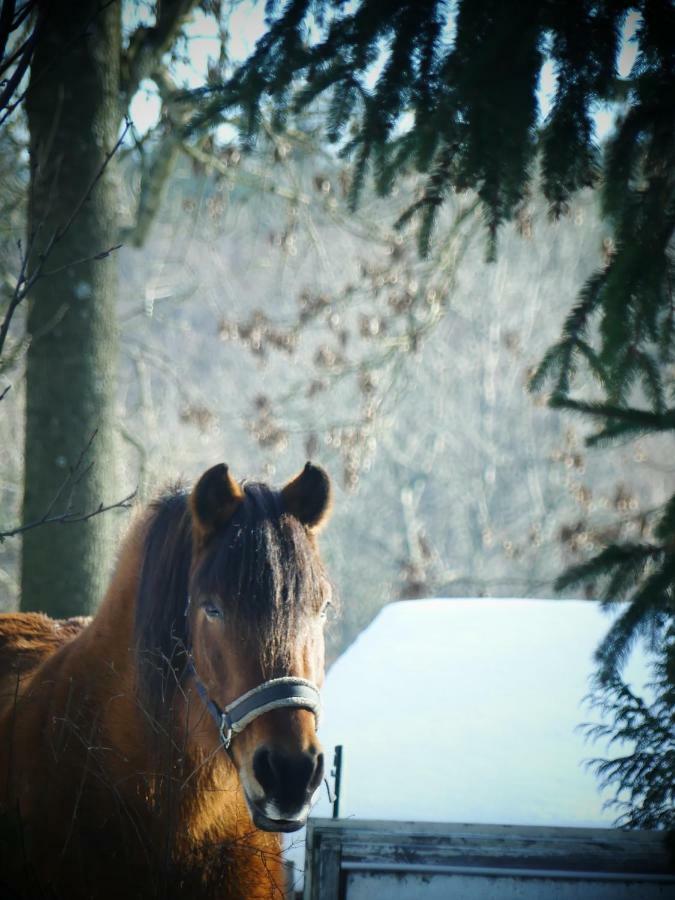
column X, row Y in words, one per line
column 467, row 710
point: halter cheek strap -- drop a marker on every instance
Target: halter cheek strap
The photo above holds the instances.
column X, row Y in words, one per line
column 278, row 693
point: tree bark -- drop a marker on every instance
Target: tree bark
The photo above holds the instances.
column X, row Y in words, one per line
column 73, row 108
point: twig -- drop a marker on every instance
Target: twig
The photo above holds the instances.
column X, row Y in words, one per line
column 20, row 58
column 15, row 80
column 18, row 295
column 24, row 283
column 104, row 254
column 74, row 477
column 255, row 178
column 60, row 234
column 77, row 472
column 68, row 518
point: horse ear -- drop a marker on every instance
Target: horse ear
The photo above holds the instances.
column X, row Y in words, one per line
column 214, row 500
column 308, row 497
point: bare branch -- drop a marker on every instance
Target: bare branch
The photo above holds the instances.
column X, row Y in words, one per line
column 6, row 25
column 104, row 254
column 68, row 515
column 20, row 57
column 158, row 165
column 15, row 56
column 148, row 45
column 24, row 282
column 154, row 179
column 15, row 80
column 70, row 518
column 104, row 165
column 18, row 295
column 255, row 178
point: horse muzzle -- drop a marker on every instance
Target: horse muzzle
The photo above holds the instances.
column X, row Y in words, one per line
column 265, row 823
column 289, row 782
column 281, row 783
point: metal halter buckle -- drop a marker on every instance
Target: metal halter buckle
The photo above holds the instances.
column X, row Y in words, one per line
column 225, row 730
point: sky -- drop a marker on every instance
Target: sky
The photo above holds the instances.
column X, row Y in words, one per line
column 247, row 24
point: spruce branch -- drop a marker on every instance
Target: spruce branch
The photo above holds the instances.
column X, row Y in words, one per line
column 639, row 419
column 643, row 775
column 646, row 614
column 622, row 555
column 665, row 529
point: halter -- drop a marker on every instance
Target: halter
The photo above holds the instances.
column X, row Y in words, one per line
column 277, row 693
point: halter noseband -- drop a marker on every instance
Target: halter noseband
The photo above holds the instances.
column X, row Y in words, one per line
column 277, row 693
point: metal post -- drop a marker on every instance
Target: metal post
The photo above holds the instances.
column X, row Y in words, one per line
column 336, row 772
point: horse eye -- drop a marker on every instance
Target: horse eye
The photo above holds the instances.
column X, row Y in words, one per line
column 212, row 611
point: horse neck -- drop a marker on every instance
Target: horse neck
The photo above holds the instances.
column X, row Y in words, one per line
column 111, row 634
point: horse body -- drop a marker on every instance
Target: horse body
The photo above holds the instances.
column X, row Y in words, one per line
column 26, row 639
column 108, row 797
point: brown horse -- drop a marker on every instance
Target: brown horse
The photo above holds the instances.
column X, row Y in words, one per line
column 157, row 749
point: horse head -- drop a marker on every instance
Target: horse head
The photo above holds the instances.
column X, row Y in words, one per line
column 257, row 603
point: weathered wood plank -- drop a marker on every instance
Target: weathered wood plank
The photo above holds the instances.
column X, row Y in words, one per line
column 406, row 849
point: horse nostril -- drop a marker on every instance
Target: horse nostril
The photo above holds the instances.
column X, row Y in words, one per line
column 285, row 778
column 317, row 777
column 263, row 771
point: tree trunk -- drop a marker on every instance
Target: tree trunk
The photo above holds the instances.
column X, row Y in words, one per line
column 73, row 116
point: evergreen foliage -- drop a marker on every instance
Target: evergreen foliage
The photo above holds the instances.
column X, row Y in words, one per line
column 406, row 92
column 644, row 778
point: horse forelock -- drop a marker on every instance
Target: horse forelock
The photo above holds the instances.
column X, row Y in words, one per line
column 263, row 566
column 265, row 569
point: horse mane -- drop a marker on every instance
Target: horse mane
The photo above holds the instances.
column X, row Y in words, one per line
column 160, row 627
column 262, row 565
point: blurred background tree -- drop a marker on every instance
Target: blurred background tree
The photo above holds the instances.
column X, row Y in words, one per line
column 81, row 81
column 73, row 117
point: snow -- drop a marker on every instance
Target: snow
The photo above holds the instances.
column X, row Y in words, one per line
column 467, row 710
